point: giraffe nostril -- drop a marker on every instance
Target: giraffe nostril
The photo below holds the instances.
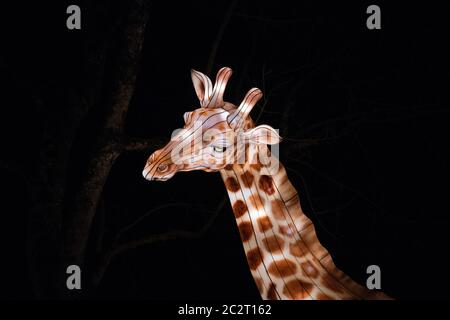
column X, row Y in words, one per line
column 163, row 167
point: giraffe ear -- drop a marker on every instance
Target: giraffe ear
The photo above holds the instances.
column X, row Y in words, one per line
column 202, row 85
column 263, row 134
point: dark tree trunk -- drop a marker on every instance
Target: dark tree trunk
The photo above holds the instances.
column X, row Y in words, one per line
column 61, row 222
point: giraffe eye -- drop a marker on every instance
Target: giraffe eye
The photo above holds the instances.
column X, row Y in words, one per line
column 163, row 167
column 219, row 149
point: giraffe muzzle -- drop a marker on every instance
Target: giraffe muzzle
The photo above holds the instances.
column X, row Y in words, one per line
column 157, row 170
column 160, row 172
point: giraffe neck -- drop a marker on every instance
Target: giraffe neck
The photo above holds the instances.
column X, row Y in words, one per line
column 284, row 254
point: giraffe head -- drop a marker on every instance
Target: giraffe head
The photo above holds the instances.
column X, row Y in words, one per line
column 214, row 135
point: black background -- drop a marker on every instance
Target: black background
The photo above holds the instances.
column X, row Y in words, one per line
column 366, row 137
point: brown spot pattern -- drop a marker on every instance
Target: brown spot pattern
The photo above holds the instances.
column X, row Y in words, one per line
column 287, row 230
column 221, row 126
column 254, row 258
column 229, row 167
column 282, row 268
column 323, row 296
column 309, row 269
column 266, row 184
column 256, row 201
column 246, row 231
column 274, row 244
column 331, row 283
column 232, row 184
column 298, row 249
column 272, row 292
column 247, row 178
column 277, row 209
column 239, row 208
column 256, row 166
column 260, row 285
column 264, row 223
column 297, row 289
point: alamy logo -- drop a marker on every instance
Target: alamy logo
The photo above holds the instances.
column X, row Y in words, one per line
column 374, row 280
column 74, row 279
column 374, row 20
column 74, row 20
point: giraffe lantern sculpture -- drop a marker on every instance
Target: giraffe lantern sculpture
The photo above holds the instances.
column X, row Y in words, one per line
column 283, row 252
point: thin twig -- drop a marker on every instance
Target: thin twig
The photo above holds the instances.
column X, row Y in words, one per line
column 117, row 249
column 142, row 144
column 150, row 212
column 340, row 184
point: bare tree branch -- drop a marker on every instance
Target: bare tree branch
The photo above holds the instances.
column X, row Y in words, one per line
column 118, row 248
column 149, row 213
column 142, row 144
